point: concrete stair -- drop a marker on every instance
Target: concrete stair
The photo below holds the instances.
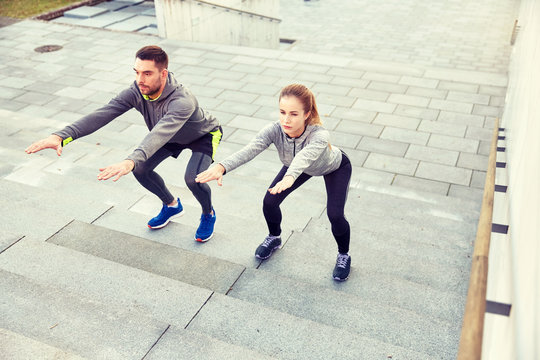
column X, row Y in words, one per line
column 83, row 277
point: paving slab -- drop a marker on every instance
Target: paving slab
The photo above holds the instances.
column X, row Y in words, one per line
column 405, row 135
column 410, row 204
column 438, row 127
column 19, row 347
column 85, row 12
column 135, row 23
column 431, row 154
column 107, row 19
column 113, row 5
column 415, row 183
column 476, row 77
column 117, row 286
column 249, row 325
column 136, row 252
column 440, row 237
column 455, row 106
column 73, row 324
column 458, row 209
column 453, row 143
column 418, row 249
column 382, row 146
column 415, row 111
column 28, row 202
column 397, row 121
column 178, row 343
column 358, row 128
column 445, row 173
column 316, row 269
column 348, row 312
column 370, row 261
column 392, row 164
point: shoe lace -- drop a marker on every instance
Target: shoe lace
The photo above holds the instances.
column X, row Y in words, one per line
column 205, row 221
column 342, row 261
column 267, row 241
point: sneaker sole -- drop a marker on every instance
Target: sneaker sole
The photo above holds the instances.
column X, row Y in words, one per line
column 204, row 240
column 340, row 279
column 168, row 220
column 271, row 252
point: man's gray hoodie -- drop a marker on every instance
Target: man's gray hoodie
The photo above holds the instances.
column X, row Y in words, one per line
column 175, row 117
column 309, row 153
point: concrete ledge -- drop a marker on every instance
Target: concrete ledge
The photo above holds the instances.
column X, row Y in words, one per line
column 74, row 324
column 59, row 12
column 196, row 269
column 18, row 347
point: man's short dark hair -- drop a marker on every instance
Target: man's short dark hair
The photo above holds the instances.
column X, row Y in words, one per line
column 155, row 53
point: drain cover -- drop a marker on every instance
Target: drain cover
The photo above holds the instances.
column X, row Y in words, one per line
column 47, row 48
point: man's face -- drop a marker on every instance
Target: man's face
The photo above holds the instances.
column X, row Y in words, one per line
column 148, row 77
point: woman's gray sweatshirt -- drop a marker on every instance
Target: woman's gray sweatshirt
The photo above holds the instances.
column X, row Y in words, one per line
column 175, row 117
column 309, row 153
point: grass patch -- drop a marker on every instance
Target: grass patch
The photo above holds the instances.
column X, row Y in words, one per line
column 21, row 9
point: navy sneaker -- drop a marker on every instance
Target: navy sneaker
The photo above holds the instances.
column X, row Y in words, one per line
column 165, row 215
column 206, row 227
column 269, row 244
column 343, row 267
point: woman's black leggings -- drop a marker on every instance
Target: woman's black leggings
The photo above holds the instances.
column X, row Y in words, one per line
column 147, row 177
column 337, row 188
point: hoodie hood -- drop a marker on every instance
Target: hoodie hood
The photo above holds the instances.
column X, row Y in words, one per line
column 170, row 86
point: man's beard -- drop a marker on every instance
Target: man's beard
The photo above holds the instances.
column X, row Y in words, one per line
column 149, row 91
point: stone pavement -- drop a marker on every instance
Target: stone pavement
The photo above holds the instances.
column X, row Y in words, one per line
column 405, row 91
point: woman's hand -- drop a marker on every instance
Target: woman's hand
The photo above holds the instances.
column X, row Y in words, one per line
column 283, row 185
column 213, row 173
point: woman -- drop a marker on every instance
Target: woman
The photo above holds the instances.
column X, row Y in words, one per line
column 305, row 151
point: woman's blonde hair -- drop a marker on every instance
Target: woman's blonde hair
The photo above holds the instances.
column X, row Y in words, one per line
column 307, row 98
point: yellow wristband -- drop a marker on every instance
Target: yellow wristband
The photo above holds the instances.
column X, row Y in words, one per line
column 67, row 141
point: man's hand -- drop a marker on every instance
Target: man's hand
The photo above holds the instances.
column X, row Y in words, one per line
column 283, row 185
column 51, row 142
column 213, row 173
column 119, row 169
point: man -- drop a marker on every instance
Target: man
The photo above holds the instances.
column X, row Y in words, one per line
column 176, row 122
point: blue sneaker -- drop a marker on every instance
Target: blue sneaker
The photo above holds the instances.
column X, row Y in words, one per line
column 206, row 227
column 165, row 215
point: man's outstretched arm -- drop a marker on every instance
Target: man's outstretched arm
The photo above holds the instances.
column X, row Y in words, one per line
column 51, row 142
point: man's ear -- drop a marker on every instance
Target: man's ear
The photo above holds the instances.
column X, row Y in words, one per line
column 164, row 74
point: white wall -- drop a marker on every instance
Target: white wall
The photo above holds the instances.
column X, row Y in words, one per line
column 521, row 119
column 196, row 21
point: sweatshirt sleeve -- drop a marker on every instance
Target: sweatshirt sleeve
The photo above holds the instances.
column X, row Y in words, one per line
column 178, row 113
column 99, row 118
column 257, row 145
column 309, row 154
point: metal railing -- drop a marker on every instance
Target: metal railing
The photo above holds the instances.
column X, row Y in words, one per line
column 472, row 331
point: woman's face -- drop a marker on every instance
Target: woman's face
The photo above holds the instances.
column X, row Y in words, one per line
column 292, row 116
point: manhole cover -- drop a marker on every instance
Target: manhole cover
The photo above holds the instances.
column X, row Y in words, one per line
column 47, row 48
